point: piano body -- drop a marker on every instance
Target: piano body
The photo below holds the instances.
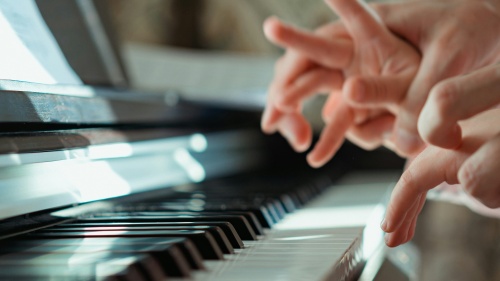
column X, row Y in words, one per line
column 99, row 182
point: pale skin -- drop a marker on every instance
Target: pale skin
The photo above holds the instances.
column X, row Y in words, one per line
column 464, row 96
column 470, row 164
column 455, row 37
column 373, row 54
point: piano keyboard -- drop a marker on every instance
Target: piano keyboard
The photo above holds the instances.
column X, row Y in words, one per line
column 253, row 231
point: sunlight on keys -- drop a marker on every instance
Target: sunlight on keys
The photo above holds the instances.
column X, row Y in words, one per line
column 307, row 237
column 334, row 217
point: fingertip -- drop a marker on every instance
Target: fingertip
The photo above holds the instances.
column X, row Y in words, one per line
column 270, row 26
column 268, row 121
column 313, row 161
column 303, row 141
column 390, row 240
column 383, row 225
column 275, row 30
column 437, row 128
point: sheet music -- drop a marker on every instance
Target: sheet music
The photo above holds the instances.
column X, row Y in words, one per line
column 235, row 79
column 28, row 51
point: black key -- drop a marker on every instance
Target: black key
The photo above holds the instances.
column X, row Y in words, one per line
column 250, row 217
column 156, row 264
column 288, row 203
column 203, row 240
column 241, row 224
column 227, row 227
column 124, row 269
column 217, row 233
column 261, row 212
column 188, row 249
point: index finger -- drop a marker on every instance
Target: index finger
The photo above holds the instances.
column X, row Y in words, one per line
column 360, row 20
column 457, row 99
column 330, row 53
column 435, row 66
column 427, row 171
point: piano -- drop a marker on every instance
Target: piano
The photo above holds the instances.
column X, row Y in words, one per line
column 103, row 182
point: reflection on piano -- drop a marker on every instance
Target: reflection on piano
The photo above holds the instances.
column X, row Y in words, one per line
column 100, row 183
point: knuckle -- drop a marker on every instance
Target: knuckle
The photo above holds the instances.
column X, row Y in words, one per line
column 444, row 98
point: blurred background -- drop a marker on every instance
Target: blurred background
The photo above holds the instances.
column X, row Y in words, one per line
column 455, row 243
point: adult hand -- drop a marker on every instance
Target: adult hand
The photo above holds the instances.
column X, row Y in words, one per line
column 457, row 99
column 473, row 165
column 455, row 37
column 372, row 56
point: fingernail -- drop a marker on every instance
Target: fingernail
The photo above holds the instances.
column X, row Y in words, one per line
column 289, row 136
column 313, row 163
column 383, row 225
column 264, row 123
column 407, row 142
column 387, row 238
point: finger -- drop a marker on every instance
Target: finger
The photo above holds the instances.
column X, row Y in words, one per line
column 296, row 130
column 399, row 236
column 314, row 81
column 270, row 119
column 332, row 136
column 399, row 17
column 290, row 66
column 413, row 226
column 372, row 133
column 376, row 91
column 334, row 29
column 406, row 135
column 479, row 174
column 432, row 167
column 332, row 101
column 456, row 99
column 360, row 20
column 329, row 53
column 287, row 69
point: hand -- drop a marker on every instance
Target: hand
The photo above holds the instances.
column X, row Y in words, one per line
column 373, row 56
column 455, row 37
column 457, row 99
column 474, row 165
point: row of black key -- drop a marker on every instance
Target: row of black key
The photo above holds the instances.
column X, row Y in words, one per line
column 153, row 239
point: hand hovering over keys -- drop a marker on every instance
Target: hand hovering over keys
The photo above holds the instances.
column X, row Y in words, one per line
column 474, row 165
column 454, row 37
column 350, row 59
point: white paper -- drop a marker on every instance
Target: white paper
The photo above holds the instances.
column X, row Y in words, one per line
column 28, row 50
column 225, row 78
